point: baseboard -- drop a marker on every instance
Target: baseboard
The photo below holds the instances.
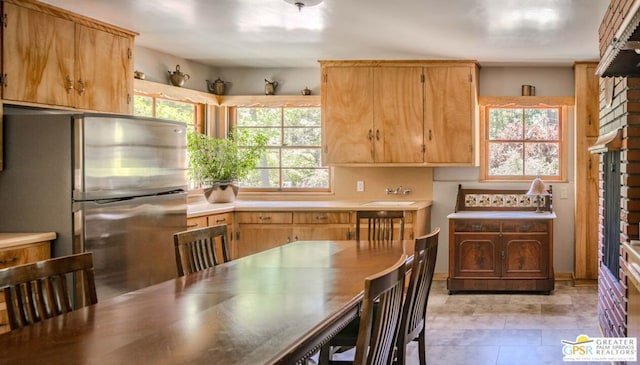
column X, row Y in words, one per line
column 559, row 276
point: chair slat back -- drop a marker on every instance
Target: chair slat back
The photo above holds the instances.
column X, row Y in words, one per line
column 197, row 250
column 39, row 290
column 415, row 305
column 380, row 224
column 378, row 329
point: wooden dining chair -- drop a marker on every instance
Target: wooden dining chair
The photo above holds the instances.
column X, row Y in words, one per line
column 379, row 320
column 40, row 290
column 197, row 249
column 380, row 224
column 414, row 312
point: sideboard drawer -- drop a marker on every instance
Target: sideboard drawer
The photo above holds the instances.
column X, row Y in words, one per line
column 468, row 225
column 525, row 226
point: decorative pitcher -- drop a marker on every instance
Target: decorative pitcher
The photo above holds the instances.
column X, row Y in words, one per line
column 216, row 87
column 270, row 87
column 178, row 78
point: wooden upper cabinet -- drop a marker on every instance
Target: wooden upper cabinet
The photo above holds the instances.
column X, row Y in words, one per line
column 56, row 58
column 99, row 51
column 347, row 112
column 372, row 114
column 450, row 97
column 38, row 62
column 399, row 112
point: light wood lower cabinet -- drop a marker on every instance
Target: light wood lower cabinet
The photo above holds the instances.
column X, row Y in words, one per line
column 259, row 231
column 321, row 225
column 20, row 255
column 217, row 220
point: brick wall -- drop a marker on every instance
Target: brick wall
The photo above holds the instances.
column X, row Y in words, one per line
column 611, row 22
column 622, row 114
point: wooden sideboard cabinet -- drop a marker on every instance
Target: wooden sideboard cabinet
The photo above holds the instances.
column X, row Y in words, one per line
column 500, row 243
column 19, row 249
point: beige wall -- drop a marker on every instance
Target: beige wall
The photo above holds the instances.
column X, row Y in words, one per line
column 376, row 179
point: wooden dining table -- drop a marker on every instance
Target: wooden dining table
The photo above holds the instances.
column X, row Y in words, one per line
column 274, row 307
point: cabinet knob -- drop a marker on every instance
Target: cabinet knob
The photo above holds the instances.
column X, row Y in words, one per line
column 476, row 227
column 68, row 84
column 370, row 135
column 377, row 134
column 80, row 87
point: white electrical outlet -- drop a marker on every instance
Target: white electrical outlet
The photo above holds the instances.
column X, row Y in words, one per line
column 360, row 185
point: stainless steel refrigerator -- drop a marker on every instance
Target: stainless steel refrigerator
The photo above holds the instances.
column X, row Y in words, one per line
column 113, row 185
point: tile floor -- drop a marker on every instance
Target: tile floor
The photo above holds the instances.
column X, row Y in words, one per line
column 506, row 329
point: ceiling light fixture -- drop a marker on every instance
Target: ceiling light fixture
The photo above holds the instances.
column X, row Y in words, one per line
column 303, row 3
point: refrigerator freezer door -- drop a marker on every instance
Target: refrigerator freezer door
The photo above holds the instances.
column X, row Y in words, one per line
column 119, row 156
column 132, row 240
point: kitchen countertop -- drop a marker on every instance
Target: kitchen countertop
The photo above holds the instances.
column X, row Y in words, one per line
column 17, row 239
column 203, row 207
column 488, row 214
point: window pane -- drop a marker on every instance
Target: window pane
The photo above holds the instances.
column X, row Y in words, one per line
column 258, row 117
column 309, row 178
column 274, row 134
column 295, row 140
column 270, row 159
column 262, row 178
column 176, row 110
column 542, row 159
column 301, row 117
column 505, row 124
column 505, row 159
column 301, row 137
column 301, row 157
column 542, row 124
column 143, row 106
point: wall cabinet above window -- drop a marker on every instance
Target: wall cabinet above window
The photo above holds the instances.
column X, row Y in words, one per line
column 56, row 58
column 399, row 112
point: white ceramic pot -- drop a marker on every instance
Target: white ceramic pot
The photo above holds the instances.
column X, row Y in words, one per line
column 221, row 193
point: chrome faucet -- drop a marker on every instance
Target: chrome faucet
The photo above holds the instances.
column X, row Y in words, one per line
column 397, row 191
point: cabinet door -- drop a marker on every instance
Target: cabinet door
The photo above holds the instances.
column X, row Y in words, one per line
column 104, row 71
column 476, row 255
column 449, row 110
column 526, row 255
column 347, row 113
column 38, row 60
column 255, row 238
column 398, row 115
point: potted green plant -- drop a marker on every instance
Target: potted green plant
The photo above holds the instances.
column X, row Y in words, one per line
column 216, row 164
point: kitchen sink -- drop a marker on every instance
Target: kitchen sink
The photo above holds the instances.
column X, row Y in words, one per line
column 387, row 203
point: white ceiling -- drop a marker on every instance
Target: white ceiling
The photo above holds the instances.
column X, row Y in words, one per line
column 273, row 33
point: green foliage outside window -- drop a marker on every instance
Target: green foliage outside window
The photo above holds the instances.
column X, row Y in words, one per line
column 293, row 157
column 165, row 109
column 524, row 142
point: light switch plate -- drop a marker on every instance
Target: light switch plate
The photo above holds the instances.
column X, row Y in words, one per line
column 360, row 185
column 564, row 193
